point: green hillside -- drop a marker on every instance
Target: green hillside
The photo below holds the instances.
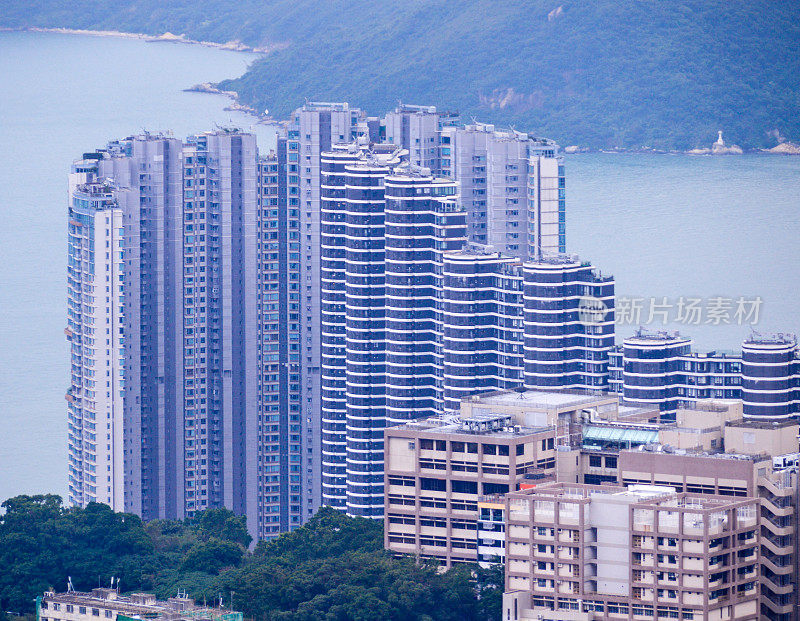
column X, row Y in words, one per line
column 333, row 567
column 607, row 73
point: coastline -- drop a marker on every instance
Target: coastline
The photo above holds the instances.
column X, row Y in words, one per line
column 167, row 37
column 212, row 89
column 786, row 148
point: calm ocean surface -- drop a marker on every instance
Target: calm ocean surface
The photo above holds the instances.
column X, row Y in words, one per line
column 665, row 226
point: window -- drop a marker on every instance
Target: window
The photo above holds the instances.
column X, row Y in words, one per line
column 495, row 488
column 595, row 461
column 435, row 485
column 465, row 487
column 520, row 449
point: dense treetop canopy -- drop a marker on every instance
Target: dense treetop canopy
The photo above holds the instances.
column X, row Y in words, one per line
column 332, row 568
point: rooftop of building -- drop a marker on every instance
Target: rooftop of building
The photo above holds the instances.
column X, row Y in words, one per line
column 667, row 450
column 338, row 106
column 144, row 605
column 401, row 107
column 407, row 170
column 508, row 134
column 653, row 337
column 378, row 155
column 99, row 188
column 779, row 339
column 758, row 423
column 542, row 399
column 627, row 411
column 656, row 496
column 558, row 259
column 483, row 424
column 222, row 130
column 717, row 353
column 473, row 252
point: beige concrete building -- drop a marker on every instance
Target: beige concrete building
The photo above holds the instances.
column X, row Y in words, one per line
column 643, row 552
column 108, row 604
column 711, row 450
column 437, row 470
column 579, row 439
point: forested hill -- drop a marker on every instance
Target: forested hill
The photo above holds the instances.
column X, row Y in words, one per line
column 599, row 73
column 333, row 567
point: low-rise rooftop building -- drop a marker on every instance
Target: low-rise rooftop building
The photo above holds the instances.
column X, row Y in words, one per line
column 107, row 604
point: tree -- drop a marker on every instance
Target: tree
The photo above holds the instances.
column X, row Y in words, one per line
column 333, row 568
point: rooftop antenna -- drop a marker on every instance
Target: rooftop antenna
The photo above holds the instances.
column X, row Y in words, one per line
column 70, row 588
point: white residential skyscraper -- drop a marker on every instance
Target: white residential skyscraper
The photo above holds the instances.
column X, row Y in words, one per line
column 512, row 186
column 95, row 331
column 188, row 236
column 274, row 314
column 314, row 128
column 511, row 183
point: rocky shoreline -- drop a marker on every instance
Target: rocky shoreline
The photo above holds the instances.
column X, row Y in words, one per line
column 784, row 147
column 213, row 89
column 168, row 37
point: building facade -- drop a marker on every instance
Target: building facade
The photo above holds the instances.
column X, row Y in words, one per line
column 208, row 305
column 286, row 496
column 446, row 476
column 661, row 369
column 709, row 456
column 95, row 331
column 512, row 186
column 569, row 324
column 314, row 128
column 413, row 318
column 584, row 552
